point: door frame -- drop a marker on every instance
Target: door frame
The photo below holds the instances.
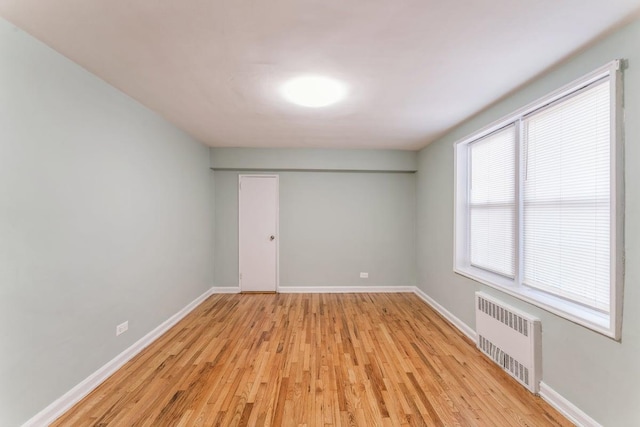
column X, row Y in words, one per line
column 277, row 201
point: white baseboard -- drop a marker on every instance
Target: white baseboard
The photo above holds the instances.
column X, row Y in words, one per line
column 464, row 328
column 566, row 408
column 225, row 290
column 73, row 396
column 343, row 289
column 552, row 397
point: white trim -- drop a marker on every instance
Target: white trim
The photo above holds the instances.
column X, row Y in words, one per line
column 552, row 397
column 463, row 327
column 58, row 407
column 617, row 198
column 343, row 289
column 225, row 290
column 572, row 312
column 566, row 408
column 62, row 404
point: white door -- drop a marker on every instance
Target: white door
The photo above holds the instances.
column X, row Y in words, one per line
column 258, row 239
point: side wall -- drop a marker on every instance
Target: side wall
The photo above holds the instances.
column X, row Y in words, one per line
column 334, row 224
column 595, row 373
column 105, row 216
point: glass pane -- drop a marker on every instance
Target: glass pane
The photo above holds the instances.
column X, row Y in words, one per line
column 492, row 202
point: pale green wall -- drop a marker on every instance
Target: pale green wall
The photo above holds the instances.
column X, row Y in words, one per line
column 313, row 159
column 333, row 225
column 595, row 373
column 105, row 216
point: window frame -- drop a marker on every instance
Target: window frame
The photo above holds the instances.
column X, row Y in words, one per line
column 607, row 324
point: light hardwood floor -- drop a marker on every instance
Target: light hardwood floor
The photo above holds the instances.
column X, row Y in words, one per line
column 314, row 360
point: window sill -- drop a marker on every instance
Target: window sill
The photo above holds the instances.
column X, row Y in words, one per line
column 584, row 316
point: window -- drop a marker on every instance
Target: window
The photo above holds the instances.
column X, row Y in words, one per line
column 538, row 203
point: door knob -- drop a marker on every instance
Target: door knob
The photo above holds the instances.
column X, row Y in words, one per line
column 272, row 237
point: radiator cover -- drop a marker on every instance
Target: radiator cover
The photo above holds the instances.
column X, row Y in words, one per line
column 511, row 338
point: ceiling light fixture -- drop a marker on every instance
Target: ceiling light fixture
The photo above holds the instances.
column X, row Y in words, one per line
column 313, row 91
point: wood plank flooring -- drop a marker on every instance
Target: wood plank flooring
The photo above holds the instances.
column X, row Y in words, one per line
column 311, row 360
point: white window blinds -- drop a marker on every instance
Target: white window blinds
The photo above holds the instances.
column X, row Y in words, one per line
column 492, row 202
column 566, row 197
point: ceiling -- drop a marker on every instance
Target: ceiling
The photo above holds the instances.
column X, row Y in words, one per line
column 415, row 68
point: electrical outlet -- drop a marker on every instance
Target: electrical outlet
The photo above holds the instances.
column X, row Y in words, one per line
column 364, row 275
column 122, row 328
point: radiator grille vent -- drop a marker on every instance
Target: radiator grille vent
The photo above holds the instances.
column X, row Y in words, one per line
column 507, row 362
column 512, row 320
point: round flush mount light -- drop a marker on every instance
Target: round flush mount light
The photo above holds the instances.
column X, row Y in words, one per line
column 313, row 91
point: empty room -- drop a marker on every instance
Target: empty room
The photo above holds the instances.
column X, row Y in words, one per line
column 305, row 213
